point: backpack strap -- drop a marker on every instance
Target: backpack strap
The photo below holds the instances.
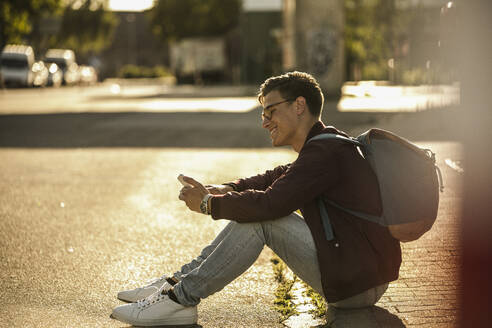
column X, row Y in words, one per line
column 325, row 219
column 361, row 215
column 334, row 136
column 322, row 208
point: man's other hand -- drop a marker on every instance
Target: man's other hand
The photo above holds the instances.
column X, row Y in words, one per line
column 193, row 196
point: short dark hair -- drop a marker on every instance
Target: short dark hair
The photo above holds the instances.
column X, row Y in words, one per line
column 295, row 84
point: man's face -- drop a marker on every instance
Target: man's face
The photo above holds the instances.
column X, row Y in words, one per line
column 280, row 118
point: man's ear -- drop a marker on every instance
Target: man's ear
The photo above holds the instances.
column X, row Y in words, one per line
column 301, row 105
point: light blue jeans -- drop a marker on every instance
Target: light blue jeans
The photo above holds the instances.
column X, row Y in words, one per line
column 238, row 246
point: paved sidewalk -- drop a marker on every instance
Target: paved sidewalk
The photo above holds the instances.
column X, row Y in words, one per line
column 374, row 96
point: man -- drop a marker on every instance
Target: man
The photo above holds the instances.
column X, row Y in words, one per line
column 350, row 266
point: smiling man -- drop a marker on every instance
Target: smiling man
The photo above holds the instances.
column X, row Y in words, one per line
column 350, row 266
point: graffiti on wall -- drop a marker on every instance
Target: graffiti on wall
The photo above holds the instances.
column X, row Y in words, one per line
column 322, row 48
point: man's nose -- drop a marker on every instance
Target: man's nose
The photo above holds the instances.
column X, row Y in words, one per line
column 265, row 122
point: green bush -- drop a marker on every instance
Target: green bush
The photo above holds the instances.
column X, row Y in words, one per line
column 375, row 71
column 419, row 76
column 134, row 71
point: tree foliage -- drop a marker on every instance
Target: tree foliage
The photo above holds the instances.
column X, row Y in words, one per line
column 177, row 19
column 88, row 28
column 369, row 37
column 17, row 16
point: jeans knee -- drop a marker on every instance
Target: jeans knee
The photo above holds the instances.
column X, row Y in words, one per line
column 255, row 228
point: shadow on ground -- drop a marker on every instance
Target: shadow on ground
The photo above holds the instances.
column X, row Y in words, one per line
column 372, row 317
column 130, row 129
column 180, row 326
column 197, row 129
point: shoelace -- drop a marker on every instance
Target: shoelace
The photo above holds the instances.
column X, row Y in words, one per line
column 155, row 297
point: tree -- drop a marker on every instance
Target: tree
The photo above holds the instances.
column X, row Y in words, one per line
column 88, row 28
column 369, row 37
column 176, row 19
column 16, row 17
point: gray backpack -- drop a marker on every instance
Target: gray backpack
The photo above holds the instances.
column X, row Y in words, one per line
column 409, row 183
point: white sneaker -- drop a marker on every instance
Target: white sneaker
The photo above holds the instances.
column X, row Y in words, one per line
column 139, row 293
column 156, row 310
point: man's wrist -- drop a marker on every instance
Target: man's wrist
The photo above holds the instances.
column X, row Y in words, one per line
column 209, row 204
column 205, row 204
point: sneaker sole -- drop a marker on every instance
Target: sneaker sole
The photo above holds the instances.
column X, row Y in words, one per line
column 183, row 321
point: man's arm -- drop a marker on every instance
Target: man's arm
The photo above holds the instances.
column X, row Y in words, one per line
column 315, row 171
column 260, row 181
column 194, row 194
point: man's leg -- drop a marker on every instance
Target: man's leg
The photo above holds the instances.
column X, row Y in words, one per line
column 165, row 281
column 187, row 268
column 288, row 237
column 159, row 308
column 239, row 245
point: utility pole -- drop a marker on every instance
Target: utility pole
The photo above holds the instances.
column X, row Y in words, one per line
column 313, row 40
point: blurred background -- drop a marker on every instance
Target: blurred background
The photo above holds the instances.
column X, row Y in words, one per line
column 393, row 42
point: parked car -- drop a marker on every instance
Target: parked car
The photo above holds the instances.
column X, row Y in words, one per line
column 88, row 75
column 65, row 59
column 40, row 74
column 55, row 75
column 16, row 65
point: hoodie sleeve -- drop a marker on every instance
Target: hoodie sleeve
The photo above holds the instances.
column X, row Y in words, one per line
column 314, row 171
column 260, row 181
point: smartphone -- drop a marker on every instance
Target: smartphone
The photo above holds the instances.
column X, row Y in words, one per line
column 184, row 183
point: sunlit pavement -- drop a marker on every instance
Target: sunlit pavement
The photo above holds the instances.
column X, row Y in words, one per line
column 369, row 97
column 114, row 97
column 79, row 225
column 78, row 222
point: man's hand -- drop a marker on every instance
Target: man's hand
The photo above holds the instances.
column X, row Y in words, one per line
column 193, row 196
column 218, row 189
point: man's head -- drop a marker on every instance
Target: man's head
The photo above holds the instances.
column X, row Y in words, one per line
column 291, row 103
column 292, row 85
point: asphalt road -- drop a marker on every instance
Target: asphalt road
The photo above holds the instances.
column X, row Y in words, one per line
column 183, row 116
column 88, row 200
